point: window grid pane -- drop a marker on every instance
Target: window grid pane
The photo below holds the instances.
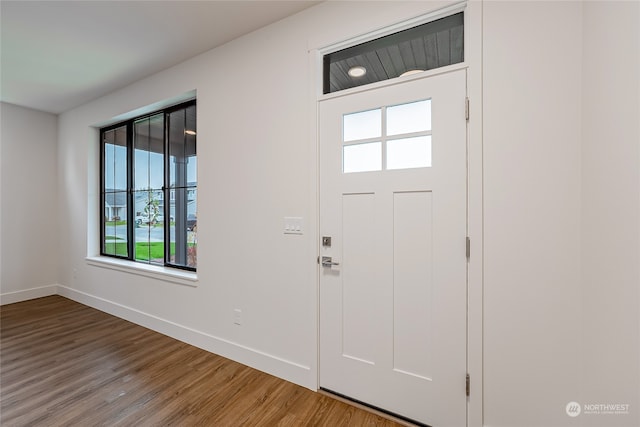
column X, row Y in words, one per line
column 149, row 228
column 409, row 118
column 148, row 141
column 362, row 157
column 184, row 237
column 115, row 224
column 409, row 153
column 362, row 125
column 115, row 160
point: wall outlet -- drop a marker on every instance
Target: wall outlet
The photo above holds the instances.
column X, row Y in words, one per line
column 237, row 317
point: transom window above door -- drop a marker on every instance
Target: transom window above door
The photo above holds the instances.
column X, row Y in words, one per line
column 387, row 138
column 432, row 45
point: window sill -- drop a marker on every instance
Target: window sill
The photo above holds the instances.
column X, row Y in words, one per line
column 172, row 275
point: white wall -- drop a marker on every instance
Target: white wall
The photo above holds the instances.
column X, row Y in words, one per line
column 561, row 233
column 532, row 129
column 28, row 195
column 611, row 208
column 257, row 164
column 562, row 211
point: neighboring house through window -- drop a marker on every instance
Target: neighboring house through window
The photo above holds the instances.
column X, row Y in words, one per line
column 146, row 161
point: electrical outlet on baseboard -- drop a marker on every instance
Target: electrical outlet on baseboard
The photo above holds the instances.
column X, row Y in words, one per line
column 237, row 316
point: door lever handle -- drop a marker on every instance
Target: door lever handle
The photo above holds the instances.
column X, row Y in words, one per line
column 326, row 261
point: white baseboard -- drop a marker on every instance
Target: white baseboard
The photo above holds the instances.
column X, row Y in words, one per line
column 271, row 364
column 27, row 294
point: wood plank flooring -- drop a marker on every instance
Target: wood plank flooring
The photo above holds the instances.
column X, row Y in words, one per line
column 66, row 364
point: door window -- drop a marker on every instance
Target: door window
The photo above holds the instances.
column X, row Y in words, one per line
column 387, row 138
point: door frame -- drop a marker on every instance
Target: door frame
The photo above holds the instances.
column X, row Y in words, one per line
column 475, row 217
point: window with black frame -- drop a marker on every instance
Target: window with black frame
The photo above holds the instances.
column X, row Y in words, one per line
column 149, row 188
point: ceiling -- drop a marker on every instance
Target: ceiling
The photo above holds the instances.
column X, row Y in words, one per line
column 57, row 55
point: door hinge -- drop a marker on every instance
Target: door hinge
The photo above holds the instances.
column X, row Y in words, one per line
column 468, row 384
column 468, row 247
column 466, row 108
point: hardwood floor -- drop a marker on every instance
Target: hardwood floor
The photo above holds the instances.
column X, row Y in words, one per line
column 65, row 364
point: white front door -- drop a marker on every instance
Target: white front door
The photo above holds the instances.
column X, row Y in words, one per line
column 393, row 296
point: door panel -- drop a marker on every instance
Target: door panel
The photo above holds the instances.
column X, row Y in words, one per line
column 393, row 199
column 412, row 283
column 358, row 340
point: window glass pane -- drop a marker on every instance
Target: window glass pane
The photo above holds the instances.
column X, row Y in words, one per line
column 148, row 142
column 183, row 230
column 149, row 206
column 362, row 125
column 409, row 153
column 115, row 206
column 115, row 159
column 362, row 157
column 149, row 227
column 183, row 181
column 407, row 118
column 182, row 148
column 115, row 223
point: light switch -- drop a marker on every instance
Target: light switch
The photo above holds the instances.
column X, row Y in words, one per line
column 293, row 225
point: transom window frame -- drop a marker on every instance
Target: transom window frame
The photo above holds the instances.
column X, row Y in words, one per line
column 325, row 47
column 395, row 51
column 167, row 189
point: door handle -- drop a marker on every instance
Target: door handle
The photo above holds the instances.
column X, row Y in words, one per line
column 326, row 261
